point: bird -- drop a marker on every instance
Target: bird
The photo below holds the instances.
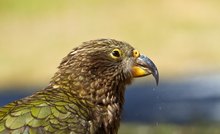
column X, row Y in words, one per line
column 85, row 95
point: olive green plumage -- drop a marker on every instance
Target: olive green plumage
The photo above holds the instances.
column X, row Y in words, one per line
column 85, row 95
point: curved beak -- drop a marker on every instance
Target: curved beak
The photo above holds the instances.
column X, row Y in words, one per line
column 143, row 67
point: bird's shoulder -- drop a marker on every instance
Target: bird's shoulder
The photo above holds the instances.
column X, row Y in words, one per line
column 35, row 116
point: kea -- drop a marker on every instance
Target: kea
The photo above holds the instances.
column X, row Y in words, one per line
column 85, row 95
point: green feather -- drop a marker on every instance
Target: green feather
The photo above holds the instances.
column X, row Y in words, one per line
column 61, row 109
column 15, row 122
column 40, row 112
column 20, row 112
column 58, row 114
column 32, row 131
column 18, row 131
column 49, row 128
column 2, row 127
column 36, row 123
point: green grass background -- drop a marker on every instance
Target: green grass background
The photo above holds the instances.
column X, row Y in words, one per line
column 181, row 36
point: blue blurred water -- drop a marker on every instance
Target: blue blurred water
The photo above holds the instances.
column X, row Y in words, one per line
column 8, row 95
column 181, row 100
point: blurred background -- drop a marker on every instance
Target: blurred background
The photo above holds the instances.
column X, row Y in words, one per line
column 182, row 37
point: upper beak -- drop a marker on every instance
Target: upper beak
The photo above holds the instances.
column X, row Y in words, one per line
column 144, row 66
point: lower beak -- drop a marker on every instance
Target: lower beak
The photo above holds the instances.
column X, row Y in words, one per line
column 143, row 67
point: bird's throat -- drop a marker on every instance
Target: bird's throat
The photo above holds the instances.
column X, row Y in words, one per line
column 107, row 96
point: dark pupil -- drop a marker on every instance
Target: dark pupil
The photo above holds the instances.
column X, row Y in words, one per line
column 116, row 53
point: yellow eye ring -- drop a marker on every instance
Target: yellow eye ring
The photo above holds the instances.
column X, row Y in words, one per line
column 136, row 53
column 116, row 53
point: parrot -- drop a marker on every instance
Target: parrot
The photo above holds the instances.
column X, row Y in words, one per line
column 85, row 95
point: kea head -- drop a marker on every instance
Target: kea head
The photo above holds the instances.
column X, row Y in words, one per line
column 100, row 69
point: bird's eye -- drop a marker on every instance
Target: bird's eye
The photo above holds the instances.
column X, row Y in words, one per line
column 116, row 53
column 136, row 53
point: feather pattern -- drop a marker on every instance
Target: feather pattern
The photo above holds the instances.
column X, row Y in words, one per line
column 85, row 95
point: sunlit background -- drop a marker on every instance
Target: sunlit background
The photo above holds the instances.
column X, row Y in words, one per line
column 182, row 37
